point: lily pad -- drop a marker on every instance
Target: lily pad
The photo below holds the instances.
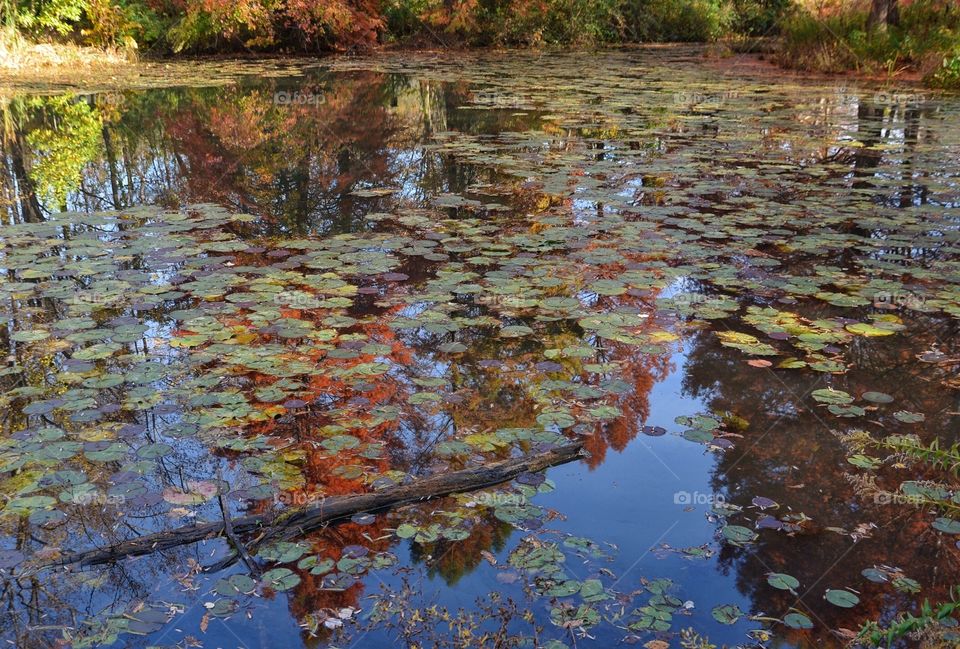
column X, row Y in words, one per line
column 841, row 598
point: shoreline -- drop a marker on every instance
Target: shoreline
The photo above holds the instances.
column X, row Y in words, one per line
column 55, row 68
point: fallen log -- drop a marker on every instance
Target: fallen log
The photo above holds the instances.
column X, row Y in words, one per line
column 299, row 521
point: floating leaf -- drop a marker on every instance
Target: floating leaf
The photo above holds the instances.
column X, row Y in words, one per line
column 559, row 418
column 515, row 331
column 863, row 329
column 738, row 535
column 864, row 461
column 154, row 451
column 564, row 589
column 235, row 584
column 783, row 581
column 406, row 531
column 842, row 598
column 906, row 585
column 947, row 525
column 831, row 396
column 30, row 336
column 797, row 621
column 875, row 575
column 909, row 417
column 280, row 579
column 727, row 614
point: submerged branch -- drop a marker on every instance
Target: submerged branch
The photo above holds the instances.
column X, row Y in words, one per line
column 238, row 547
column 296, row 522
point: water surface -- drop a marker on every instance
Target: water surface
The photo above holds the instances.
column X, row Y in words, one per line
column 325, row 278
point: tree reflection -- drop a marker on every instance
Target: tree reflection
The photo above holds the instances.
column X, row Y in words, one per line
column 792, row 455
column 417, row 289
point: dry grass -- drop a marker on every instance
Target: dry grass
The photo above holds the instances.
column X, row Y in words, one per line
column 22, row 60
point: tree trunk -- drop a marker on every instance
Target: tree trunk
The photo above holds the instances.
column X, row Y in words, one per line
column 30, row 210
column 296, row 522
column 883, row 13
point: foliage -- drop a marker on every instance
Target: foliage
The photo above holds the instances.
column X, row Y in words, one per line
column 931, row 617
column 813, row 43
column 42, row 16
column 927, row 31
column 934, row 622
column 554, row 22
column 211, row 25
column 344, row 24
column 679, row 20
column 402, row 18
column 123, row 22
column 64, row 149
column 947, row 75
column 760, row 17
column 509, row 22
column 932, row 454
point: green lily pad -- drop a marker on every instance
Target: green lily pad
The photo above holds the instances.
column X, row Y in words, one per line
column 783, row 581
column 797, row 621
column 841, row 598
column 738, row 535
column 280, row 579
column 727, row 613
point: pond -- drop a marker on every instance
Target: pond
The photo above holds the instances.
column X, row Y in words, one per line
column 244, row 294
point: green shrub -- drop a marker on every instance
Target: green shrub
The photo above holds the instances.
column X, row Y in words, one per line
column 926, row 29
column 37, row 17
column 554, row 22
column 760, row 17
column 404, row 18
column 823, row 45
column 927, row 36
column 583, row 22
column 124, row 23
column 578, row 22
column 679, row 20
column 194, row 30
column 935, row 22
column 947, row 75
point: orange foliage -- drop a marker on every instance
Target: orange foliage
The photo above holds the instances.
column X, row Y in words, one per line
column 345, row 24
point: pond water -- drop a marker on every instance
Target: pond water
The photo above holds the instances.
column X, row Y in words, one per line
column 310, row 279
